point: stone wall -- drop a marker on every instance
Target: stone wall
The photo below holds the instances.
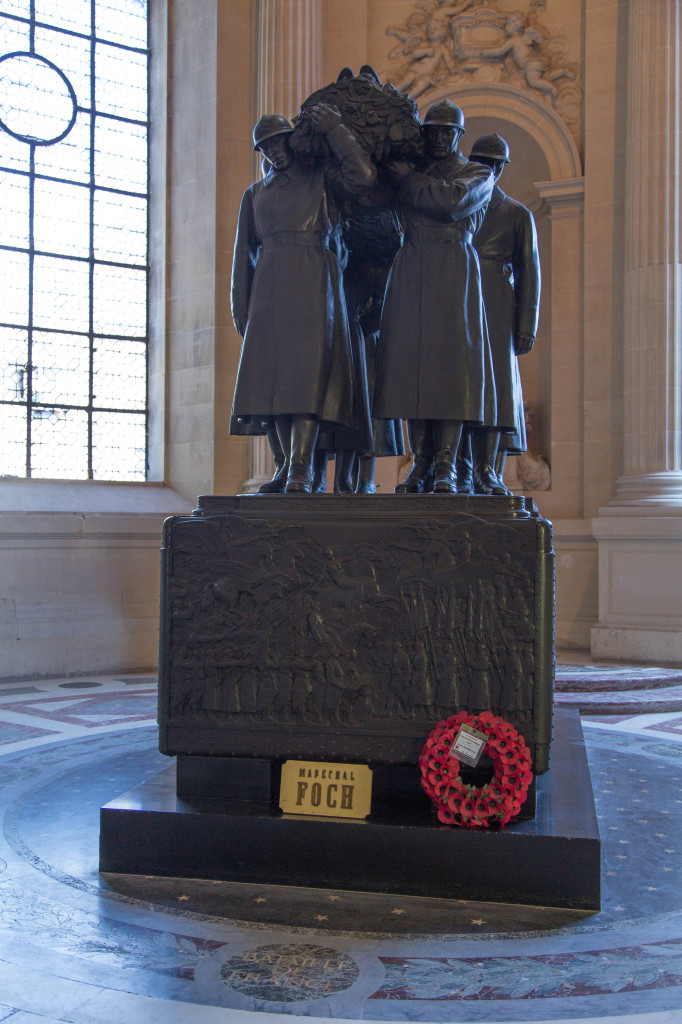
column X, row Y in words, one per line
column 79, row 565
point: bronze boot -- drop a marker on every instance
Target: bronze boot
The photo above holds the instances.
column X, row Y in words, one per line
column 304, row 430
column 449, row 433
column 465, row 464
column 420, row 478
column 500, row 460
column 365, row 475
column 343, row 471
column 484, row 443
column 320, row 471
column 279, row 480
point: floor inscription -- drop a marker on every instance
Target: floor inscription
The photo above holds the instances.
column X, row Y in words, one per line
column 290, row 972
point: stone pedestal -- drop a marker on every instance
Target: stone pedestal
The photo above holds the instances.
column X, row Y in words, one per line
column 332, row 627
column 551, row 860
column 338, row 628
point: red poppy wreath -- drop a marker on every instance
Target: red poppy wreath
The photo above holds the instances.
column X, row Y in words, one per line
column 471, row 806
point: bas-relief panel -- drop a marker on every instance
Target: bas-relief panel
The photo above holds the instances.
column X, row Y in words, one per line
column 344, row 636
column 277, row 627
column 534, row 45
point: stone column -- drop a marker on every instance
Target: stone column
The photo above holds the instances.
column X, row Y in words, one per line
column 640, row 532
column 289, row 42
column 289, row 67
column 653, row 279
column 563, row 289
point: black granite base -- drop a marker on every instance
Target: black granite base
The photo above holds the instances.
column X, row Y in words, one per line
column 552, row 860
column 200, row 780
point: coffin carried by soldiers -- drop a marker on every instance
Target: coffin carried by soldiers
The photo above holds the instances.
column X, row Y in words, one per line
column 328, row 627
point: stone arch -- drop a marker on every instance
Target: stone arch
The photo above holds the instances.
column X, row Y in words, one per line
column 498, row 102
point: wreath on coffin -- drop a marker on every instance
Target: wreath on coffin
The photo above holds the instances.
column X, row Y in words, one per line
column 386, row 124
column 385, row 121
column 497, row 801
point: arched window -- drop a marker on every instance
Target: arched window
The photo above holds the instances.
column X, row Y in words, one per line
column 73, row 239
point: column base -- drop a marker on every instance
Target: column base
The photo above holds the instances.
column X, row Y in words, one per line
column 659, row 489
column 664, row 647
column 640, row 566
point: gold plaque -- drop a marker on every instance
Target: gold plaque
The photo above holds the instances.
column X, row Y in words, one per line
column 332, row 790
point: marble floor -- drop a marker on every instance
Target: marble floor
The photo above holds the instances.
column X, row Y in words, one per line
column 92, row 949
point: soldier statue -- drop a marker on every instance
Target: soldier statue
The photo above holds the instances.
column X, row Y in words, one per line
column 510, row 273
column 295, row 367
column 434, row 356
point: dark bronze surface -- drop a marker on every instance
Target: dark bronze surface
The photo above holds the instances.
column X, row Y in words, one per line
column 431, row 362
column 507, row 247
column 321, row 628
column 287, row 299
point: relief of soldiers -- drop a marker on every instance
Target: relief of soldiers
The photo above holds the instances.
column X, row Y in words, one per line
column 434, row 354
column 287, row 297
column 510, row 274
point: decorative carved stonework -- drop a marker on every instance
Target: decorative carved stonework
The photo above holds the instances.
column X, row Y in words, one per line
column 532, row 470
column 458, row 43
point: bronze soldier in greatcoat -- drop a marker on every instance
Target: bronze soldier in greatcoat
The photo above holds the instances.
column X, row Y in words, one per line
column 287, row 297
column 434, row 355
column 507, row 249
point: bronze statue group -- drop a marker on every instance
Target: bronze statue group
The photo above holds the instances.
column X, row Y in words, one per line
column 340, row 345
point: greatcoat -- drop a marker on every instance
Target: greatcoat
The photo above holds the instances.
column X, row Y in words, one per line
column 287, row 295
column 434, row 354
column 510, row 274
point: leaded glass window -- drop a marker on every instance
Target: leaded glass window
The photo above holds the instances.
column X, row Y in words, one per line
column 73, row 239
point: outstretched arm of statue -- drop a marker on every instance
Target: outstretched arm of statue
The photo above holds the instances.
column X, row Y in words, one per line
column 352, row 174
column 448, row 200
column 246, row 251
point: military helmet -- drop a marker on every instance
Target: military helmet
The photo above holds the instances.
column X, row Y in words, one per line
column 445, row 113
column 491, row 146
column 269, row 125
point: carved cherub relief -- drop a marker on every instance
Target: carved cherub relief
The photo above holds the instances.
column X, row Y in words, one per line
column 445, row 42
column 429, row 57
column 523, row 45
